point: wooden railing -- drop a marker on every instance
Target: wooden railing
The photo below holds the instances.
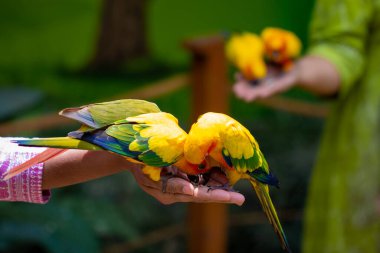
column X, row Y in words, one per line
column 52, row 120
column 208, row 222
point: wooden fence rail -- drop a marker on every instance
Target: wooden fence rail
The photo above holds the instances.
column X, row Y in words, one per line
column 52, row 120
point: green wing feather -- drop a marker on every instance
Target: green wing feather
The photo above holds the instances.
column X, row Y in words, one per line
column 102, row 114
column 154, row 144
column 240, row 150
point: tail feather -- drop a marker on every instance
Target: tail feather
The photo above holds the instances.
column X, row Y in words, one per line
column 268, row 208
column 42, row 157
column 58, row 142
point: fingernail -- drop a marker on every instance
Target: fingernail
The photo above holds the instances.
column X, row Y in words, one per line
column 238, row 199
column 187, row 190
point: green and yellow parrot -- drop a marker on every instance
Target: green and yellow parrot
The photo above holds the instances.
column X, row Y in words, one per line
column 246, row 52
column 281, row 47
column 140, row 133
column 217, row 139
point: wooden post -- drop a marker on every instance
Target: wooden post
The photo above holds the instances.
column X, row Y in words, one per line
column 207, row 223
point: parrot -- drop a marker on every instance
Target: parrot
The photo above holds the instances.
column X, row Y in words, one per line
column 218, row 140
column 91, row 116
column 152, row 138
column 246, row 52
column 281, row 47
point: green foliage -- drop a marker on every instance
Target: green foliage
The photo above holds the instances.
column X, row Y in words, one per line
column 54, row 227
column 104, row 216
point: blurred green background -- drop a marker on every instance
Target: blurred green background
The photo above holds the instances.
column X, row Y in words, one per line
column 46, row 48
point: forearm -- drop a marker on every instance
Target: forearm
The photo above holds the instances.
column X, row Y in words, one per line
column 317, row 75
column 76, row 166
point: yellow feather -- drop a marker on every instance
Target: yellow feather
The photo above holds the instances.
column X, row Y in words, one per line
column 153, row 173
column 246, row 51
column 285, row 43
column 166, row 138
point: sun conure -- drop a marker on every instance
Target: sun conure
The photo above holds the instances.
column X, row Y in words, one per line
column 154, row 138
column 281, row 47
column 246, row 52
column 218, row 137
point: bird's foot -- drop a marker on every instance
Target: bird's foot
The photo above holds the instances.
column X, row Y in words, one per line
column 225, row 187
column 198, row 180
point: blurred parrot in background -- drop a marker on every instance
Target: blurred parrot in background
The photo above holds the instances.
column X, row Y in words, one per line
column 135, row 129
column 217, row 140
column 281, row 47
column 246, row 52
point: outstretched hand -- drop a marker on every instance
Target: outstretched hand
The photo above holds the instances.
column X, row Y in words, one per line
column 266, row 88
column 310, row 73
column 181, row 190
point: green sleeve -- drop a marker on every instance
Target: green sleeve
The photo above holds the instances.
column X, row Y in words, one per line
column 338, row 33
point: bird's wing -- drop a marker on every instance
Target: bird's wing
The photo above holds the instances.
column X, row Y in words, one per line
column 239, row 149
column 102, row 114
column 241, row 152
column 149, row 141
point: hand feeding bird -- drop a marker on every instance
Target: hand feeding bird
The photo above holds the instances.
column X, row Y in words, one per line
column 216, row 137
column 135, row 129
column 155, row 140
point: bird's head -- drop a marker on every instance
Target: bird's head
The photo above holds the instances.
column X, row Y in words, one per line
column 189, row 168
column 280, row 45
column 201, row 141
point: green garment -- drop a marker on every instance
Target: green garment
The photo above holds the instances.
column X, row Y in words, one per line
column 340, row 214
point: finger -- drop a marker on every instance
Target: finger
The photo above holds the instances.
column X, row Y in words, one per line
column 203, row 194
column 179, row 186
column 268, row 88
column 237, row 198
column 254, row 93
column 241, row 89
column 159, row 195
column 169, row 198
column 278, row 85
column 143, row 180
column 239, row 76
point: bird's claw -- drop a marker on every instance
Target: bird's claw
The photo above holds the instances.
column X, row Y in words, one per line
column 198, row 180
column 225, row 187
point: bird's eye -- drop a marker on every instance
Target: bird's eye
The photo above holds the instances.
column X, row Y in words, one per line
column 202, row 166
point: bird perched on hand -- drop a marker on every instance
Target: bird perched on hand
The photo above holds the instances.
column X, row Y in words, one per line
column 246, row 52
column 216, row 137
column 281, row 47
column 152, row 138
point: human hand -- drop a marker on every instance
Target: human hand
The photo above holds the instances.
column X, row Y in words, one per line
column 268, row 87
column 181, row 190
